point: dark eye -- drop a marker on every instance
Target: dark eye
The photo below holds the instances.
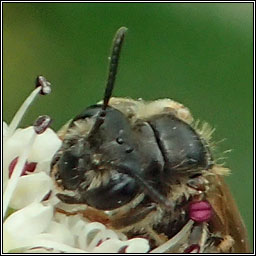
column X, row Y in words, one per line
column 68, row 166
column 181, row 146
column 120, row 190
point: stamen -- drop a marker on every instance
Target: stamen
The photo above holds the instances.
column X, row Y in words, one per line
column 12, row 182
column 12, row 166
column 47, row 196
column 99, row 243
column 42, row 123
column 20, row 113
column 123, row 249
column 194, row 248
column 29, row 167
column 43, row 87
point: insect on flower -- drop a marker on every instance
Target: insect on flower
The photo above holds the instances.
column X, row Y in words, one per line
column 145, row 169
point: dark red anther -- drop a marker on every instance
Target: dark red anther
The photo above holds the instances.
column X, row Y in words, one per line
column 42, row 123
column 123, row 249
column 99, row 243
column 47, row 196
column 200, row 211
column 194, row 248
column 44, row 84
column 29, row 167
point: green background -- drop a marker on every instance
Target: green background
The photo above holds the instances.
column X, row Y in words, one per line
column 197, row 54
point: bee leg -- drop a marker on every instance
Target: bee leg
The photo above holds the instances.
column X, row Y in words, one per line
column 197, row 239
column 226, row 245
column 202, row 241
column 93, row 215
column 69, row 199
column 158, row 238
column 178, row 242
column 132, row 217
column 217, row 243
column 223, row 244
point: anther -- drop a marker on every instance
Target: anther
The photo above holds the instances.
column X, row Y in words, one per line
column 28, row 167
column 42, row 87
column 44, row 84
column 41, row 124
column 194, row 248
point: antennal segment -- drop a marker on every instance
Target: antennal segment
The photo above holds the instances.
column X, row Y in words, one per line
column 113, row 64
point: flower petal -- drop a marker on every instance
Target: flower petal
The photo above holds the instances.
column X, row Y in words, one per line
column 137, row 245
column 21, row 227
column 109, row 246
column 30, row 220
column 59, row 233
column 31, row 188
column 18, row 169
column 88, row 234
column 45, row 146
column 42, row 151
column 5, row 129
column 44, row 166
column 14, row 147
column 55, row 246
column 9, row 241
column 41, row 250
column 19, row 139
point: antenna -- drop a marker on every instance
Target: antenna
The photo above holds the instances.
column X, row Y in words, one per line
column 113, row 65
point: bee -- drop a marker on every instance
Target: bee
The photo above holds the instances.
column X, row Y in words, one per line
column 145, row 169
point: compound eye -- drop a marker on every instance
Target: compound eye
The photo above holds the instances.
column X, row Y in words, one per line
column 182, row 147
column 68, row 170
column 120, row 190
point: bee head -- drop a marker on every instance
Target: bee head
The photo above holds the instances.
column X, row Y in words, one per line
column 87, row 161
column 99, row 158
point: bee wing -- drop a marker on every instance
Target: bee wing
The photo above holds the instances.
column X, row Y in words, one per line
column 227, row 219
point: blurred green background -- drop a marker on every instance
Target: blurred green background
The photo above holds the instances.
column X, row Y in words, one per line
column 197, row 54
